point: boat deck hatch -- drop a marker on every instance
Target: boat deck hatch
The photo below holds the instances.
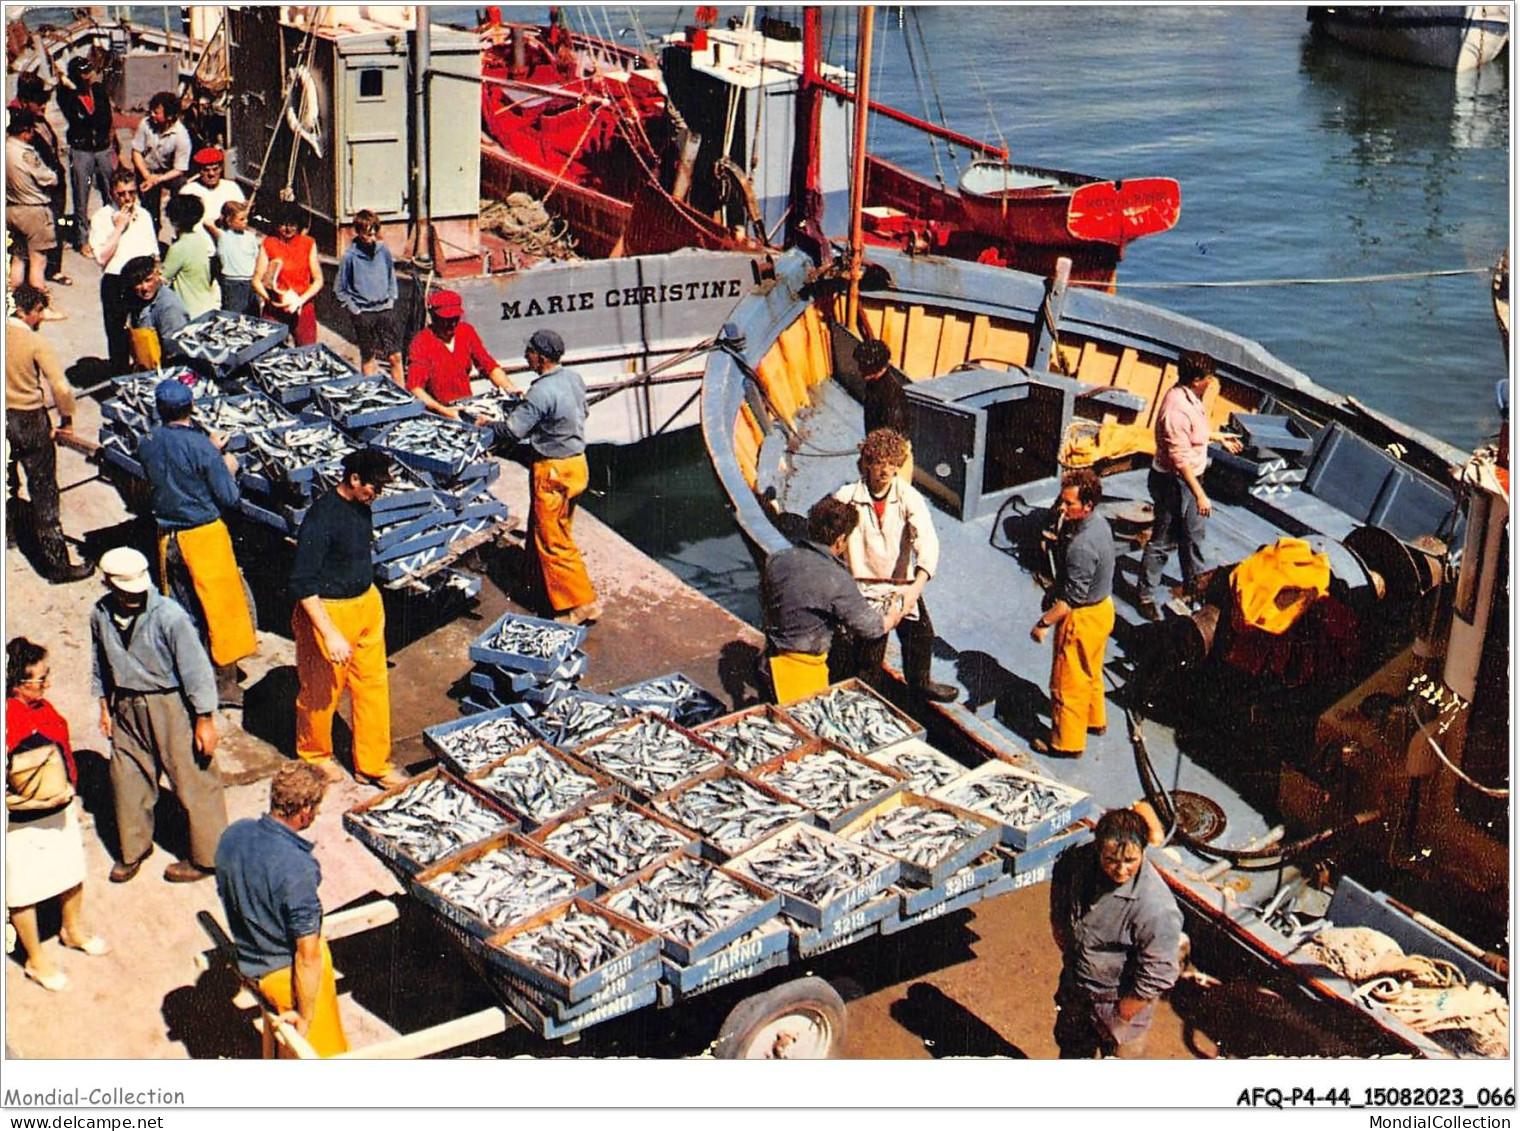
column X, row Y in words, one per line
column 980, row 434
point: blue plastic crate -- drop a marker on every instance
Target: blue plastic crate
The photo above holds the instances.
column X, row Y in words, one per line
column 900, row 922
column 1076, row 805
column 560, row 1010
column 264, row 515
column 269, row 372
column 744, row 957
column 979, row 873
column 118, row 458
column 401, row 568
column 646, row 949
column 482, row 651
column 687, row 953
column 862, row 922
column 464, row 468
column 222, row 362
column 675, row 696
column 1043, row 855
column 405, row 405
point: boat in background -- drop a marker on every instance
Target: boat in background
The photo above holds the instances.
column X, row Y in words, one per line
column 1453, row 37
column 703, row 149
column 1369, row 739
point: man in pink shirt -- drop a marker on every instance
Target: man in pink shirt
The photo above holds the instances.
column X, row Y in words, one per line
column 1176, row 478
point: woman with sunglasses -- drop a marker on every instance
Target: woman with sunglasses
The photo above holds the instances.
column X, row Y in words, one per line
column 44, row 850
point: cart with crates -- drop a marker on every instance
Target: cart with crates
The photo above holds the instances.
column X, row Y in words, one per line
column 591, row 939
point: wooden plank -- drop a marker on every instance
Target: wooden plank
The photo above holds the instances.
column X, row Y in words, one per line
column 981, row 328
column 920, row 342
column 282, row 1040
column 354, row 920
column 894, row 331
column 954, row 340
column 437, row 1038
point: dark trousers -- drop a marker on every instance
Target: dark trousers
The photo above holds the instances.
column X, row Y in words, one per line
column 1178, row 526
column 1087, row 1029
column 917, row 640
column 115, row 306
column 154, row 734
column 29, row 435
column 238, row 297
column 86, row 170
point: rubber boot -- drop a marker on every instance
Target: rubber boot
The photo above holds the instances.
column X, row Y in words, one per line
column 916, row 657
column 228, row 692
column 56, row 567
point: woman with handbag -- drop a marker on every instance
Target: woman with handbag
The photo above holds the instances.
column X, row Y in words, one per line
column 44, row 849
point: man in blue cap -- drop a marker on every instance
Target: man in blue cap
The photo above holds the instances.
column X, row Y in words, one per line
column 551, row 420
column 192, row 482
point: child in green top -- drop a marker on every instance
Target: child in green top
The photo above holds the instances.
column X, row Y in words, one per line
column 187, row 266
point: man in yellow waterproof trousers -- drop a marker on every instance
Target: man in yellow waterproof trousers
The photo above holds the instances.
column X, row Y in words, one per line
column 339, row 624
column 267, row 879
column 191, row 482
column 551, row 420
column 1082, row 611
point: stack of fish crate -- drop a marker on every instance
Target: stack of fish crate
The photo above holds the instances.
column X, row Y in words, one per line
column 524, row 660
column 674, row 697
column 292, row 414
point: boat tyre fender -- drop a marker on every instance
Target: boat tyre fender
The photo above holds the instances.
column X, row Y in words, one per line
column 304, row 121
column 803, row 1019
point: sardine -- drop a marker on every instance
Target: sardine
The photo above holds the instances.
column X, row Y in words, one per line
column 728, row 812
column 1011, row 798
column 517, row 636
column 675, row 697
column 918, row 834
column 850, row 717
column 571, row 945
column 538, row 783
column 432, row 818
column 827, row 782
column 505, row 885
column 573, row 720
column 287, row 369
column 475, row 747
column 218, row 336
column 650, row 755
column 805, row 864
column 685, row 899
column 610, row 842
column 753, row 738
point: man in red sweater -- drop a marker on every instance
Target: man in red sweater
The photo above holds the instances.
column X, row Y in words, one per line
column 440, row 359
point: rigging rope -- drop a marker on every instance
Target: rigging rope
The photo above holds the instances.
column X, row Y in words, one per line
column 939, row 103
column 1392, row 277
column 923, row 101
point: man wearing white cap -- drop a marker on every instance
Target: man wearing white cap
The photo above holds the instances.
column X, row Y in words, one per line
column 157, row 694
column 551, row 420
column 441, row 356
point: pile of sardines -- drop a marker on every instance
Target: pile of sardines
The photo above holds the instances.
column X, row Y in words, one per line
column 852, row 717
column 291, row 415
column 421, row 823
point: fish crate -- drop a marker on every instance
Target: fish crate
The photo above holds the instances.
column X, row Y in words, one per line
column 401, row 860
column 863, row 922
column 455, row 747
column 739, row 735
column 400, row 439
column 558, row 641
column 643, row 950
column 423, row 539
column 543, row 694
column 118, row 458
column 291, row 376
column 638, row 775
column 1068, row 805
column 548, row 1028
column 612, row 863
column 766, row 907
column 572, row 883
column 871, row 722
column 275, row 519
column 211, row 340
column 1040, row 858
column 392, row 403
column 580, row 717
column 399, row 531
column 670, row 804
column 962, row 854
column 765, row 947
column 551, row 1006
column 898, row 921
column 985, row 869
column 525, row 808
column 494, row 681
column 282, row 466
column 881, row 782
column 923, row 767
column 876, row 872
column 675, row 697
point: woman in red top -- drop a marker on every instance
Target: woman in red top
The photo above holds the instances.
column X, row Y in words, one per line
column 297, row 276
column 44, row 851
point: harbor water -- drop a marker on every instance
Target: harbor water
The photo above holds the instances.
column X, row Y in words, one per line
column 1298, row 159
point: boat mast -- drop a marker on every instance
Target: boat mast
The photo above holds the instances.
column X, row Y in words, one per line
column 804, row 228
column 422, row 51
column 858, row 175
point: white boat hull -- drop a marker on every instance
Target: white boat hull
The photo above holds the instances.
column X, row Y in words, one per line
column 1454, row 37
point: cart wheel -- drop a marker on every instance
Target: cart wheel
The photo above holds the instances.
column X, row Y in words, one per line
column 800, row 1020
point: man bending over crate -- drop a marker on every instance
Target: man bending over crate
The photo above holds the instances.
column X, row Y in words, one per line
column 267, row 879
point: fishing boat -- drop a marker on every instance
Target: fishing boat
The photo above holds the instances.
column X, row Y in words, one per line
column 1453, row 37
column 699, row 148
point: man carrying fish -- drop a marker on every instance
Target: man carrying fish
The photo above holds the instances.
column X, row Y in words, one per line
column 551, row 420
column 267, row 879
column 806, row 593
column 893, row 535
column 1081, row 609
column 440, row 358
column 1118, row 928
column 339, row 624
column 191, row 482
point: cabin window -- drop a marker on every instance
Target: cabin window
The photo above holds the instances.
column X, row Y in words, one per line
column 371, row 83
